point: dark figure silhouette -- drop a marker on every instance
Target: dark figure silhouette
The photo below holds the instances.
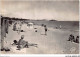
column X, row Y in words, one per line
column 77, row 39
column 15, row 42
column 45, row 29
column 71, row 38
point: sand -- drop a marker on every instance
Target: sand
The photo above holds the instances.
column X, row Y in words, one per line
column 55, row 42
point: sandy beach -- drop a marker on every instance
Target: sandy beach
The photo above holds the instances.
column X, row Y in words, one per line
column 55, row 42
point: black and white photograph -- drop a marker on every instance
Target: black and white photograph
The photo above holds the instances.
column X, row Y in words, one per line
column 39, row 26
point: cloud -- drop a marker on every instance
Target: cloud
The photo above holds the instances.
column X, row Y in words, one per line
column 59, row 10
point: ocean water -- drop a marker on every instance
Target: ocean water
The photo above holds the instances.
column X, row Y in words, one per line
column 74, row 25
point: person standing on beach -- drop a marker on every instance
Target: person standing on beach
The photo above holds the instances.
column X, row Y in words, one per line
column 14, row 26
column 45, row 28
column 18, row 28
column 60, row 26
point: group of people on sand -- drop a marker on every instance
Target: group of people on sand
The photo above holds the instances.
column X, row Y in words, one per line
column 73, row 39
column 45, row 29
column 19, row 27
column 21, row 43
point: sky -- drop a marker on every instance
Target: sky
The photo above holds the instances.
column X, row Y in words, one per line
column 61, row 10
